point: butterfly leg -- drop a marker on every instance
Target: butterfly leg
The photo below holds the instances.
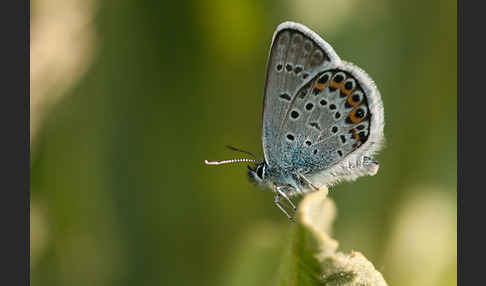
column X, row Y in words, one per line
column 281, row 193
column 277, row 203
column 307, row 181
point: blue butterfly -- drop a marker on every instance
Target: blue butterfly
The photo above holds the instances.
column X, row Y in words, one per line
column 322, row 118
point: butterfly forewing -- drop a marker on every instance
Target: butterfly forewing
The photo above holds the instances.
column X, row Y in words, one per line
column 297, row 54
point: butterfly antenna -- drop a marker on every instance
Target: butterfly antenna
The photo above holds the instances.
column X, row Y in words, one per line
column 239, row 150
column 228, row 161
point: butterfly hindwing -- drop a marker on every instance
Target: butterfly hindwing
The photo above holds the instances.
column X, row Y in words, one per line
column 346, row 154
column 329, row 119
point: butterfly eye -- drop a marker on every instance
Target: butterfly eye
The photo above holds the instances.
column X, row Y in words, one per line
column 259, row 172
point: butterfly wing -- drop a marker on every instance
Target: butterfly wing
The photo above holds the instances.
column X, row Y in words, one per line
column 335, row 122
column 297, row 54
column 323, row 124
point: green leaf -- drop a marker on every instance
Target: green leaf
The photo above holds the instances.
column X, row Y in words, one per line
column 312, row 257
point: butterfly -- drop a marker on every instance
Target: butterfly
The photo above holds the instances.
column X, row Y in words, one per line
column 322, row 118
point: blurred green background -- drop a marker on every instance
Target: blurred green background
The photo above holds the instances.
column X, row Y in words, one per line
column 129, row 97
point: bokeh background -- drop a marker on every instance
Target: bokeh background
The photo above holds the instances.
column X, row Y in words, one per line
column 129, row 97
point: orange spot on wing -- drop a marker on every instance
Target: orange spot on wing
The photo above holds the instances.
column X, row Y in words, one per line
column 352, row 116
column 321, row 86
column 352, row 102
column 337, row 85
column 345, row 91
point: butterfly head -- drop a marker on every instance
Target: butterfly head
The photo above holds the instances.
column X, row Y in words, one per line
column 257, row 175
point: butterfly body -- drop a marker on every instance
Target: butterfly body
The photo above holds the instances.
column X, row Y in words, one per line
column 322, row 116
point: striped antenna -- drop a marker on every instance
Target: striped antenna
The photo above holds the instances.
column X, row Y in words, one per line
column 228, row 161
column 240, row 150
